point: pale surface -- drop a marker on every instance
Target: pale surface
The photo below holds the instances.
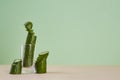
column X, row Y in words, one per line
column 66, row 73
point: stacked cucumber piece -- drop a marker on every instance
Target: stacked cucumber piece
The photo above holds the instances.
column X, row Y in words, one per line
column 28, row 54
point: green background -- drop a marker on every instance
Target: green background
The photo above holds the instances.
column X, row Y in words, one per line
column 76, row 32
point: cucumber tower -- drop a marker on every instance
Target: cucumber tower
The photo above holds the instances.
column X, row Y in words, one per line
column 28, row 54
column 29, row 46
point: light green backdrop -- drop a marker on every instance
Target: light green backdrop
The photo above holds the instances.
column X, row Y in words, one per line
column 76, row 32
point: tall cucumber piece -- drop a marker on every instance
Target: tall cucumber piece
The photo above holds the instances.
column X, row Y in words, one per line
column 29, row 46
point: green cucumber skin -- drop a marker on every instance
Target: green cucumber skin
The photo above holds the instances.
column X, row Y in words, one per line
column 28, row 55
column 29, row 38
column 41, row 67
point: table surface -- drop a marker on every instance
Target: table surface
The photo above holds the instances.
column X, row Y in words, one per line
column 66, row 73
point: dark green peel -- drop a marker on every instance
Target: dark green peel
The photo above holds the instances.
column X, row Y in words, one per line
column 41, row 63
column 28, row 56
column 33, row 41
column 16, row 67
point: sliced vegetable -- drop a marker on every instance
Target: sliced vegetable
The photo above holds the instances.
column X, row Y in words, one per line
column 41, row 63
column 29, row 46
column 16, row 67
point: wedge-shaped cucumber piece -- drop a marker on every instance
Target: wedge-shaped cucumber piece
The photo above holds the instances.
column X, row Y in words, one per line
column 41, row 63
column 16, row 67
